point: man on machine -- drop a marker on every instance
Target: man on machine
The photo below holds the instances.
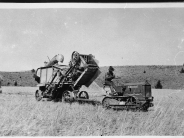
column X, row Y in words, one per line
column 108, row 79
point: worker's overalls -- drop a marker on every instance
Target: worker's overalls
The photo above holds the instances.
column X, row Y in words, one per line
column 108, row 81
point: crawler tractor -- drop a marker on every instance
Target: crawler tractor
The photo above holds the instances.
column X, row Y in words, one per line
column 129, row 96
column 63, row 82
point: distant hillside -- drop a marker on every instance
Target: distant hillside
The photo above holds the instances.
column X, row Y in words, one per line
column 170, row 76
column 23, row 78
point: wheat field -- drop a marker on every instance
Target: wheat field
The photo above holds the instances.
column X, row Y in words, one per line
column 22, row 115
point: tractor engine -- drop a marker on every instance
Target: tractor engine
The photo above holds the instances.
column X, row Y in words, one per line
column 136, row 96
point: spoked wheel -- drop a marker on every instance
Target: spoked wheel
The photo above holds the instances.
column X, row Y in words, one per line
column 106, row 102
column 66, row 97
column 83, row 95
column 75, row 57
column 38, row 95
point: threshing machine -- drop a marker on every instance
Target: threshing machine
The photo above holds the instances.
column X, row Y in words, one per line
column 63, row 82
column 134, row 96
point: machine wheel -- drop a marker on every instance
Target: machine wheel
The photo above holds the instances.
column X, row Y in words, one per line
column 106, row 102
column 38, row 95
column 83, row 95
column 75, row 57
column 145, row 107
column 66, row 97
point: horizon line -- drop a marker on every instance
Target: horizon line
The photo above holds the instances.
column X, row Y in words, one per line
column 102, row 66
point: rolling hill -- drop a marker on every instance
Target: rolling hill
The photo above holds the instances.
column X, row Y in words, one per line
column 23, row 78
column 170, row 76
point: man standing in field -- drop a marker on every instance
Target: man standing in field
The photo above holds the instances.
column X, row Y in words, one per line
column 108, row 79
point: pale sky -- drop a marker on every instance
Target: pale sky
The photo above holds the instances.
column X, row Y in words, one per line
column 115, row 36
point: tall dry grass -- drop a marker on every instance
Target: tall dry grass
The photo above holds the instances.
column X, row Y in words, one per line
column 22, row 115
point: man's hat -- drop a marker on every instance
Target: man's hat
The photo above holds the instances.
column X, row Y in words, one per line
column 111, row 68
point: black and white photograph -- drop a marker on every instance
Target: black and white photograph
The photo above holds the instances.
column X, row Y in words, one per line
column 92, row 69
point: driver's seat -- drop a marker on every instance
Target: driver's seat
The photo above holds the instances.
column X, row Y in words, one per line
column 118, row 90
column 109, row 89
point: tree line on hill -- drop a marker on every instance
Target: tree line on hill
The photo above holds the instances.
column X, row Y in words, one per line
column 160, row 77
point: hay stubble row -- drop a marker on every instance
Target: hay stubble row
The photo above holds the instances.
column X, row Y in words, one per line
column 22, row 115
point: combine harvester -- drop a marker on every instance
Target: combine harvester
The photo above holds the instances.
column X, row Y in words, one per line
column 63, row 82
